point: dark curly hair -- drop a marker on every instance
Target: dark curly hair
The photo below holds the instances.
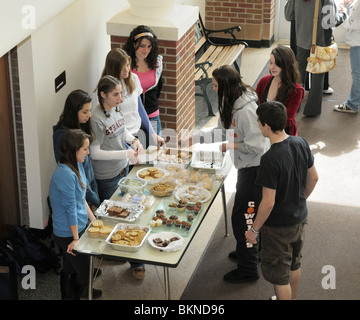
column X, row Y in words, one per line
column 133, row 43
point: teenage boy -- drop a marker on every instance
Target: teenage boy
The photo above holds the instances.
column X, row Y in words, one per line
column 287, row 176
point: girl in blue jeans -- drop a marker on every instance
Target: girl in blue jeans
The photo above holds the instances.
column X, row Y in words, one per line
column 109, row 151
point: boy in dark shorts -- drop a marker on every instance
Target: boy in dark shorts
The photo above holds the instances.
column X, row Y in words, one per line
column 287, row 176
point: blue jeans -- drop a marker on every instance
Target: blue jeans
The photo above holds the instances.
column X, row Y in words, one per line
column 354, row 97
column 107, row 187
column 156, row 124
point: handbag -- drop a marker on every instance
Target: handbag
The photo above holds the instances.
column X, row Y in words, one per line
column 322, row 59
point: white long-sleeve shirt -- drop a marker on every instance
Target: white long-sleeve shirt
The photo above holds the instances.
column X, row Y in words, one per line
column 352, row 24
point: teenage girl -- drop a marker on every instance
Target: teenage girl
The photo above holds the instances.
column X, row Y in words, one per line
column 283, row 85
column 146, row 63
column 109, row 151
column 71, row 212
column 118, row 65
column 76, row 115
column 237, row 110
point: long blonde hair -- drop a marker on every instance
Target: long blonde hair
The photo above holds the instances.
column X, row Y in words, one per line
column 116, row 59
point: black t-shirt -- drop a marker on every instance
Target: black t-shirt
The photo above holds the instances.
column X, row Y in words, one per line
column 284, row 168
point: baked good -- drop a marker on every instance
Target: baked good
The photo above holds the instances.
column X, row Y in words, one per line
column 114, row 211
column 105, row 231
column 97, row 223
column 128, row 237
column 173, row 205
column 118, row 212
column 159, row 222
column 93, row 232
column 180, row 207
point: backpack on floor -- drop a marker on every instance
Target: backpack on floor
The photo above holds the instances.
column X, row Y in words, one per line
column 28, row 249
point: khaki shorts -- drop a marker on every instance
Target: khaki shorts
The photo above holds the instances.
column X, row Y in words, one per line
column 281, row 251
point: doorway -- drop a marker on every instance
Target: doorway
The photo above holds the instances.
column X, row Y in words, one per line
column 9, row 193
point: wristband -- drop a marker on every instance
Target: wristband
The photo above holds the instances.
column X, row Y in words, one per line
column 253, row 230
column 75, row 239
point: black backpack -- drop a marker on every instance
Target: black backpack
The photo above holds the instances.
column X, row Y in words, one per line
column 27, row 249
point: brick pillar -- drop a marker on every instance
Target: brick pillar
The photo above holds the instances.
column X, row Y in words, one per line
column 177, row 99
column 255, row 17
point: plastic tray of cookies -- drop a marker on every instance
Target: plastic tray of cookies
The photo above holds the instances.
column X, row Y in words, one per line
column 120, row 211
column 127, row 237
column 174, row 157
column 203, row 159
column 131, row 185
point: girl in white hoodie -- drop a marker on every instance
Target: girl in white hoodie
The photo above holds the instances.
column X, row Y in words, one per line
column 352, row 25
column 237, row 110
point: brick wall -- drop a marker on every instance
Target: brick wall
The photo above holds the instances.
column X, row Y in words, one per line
column 177, row 99
column 256, row 18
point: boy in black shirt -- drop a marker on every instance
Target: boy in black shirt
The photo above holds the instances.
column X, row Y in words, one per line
column 287, row 177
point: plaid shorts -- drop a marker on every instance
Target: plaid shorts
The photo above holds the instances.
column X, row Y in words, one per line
column 281, row 251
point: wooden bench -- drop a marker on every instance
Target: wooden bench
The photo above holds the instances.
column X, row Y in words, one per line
column 212, row 52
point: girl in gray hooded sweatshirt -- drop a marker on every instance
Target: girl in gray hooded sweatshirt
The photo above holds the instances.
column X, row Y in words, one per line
column 237, row 110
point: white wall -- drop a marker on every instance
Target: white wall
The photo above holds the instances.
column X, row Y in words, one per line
column 75, row 41
column 20, row 18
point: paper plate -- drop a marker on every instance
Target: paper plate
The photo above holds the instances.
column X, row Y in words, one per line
column 172, row 246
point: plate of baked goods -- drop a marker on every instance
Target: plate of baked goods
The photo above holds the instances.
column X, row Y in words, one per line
column 175, row 157
column 163, row 189
column 166, row 241
column 121, row 211
column 127, row 237
column 151, row 175
column 193, row 194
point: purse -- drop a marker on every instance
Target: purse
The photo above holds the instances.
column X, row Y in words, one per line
column 322, row 59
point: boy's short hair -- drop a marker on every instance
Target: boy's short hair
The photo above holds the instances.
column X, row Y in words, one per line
column 273, row 113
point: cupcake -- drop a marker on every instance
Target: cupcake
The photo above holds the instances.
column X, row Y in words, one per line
column 169, row 222
column 181, row 207
column 190, row 217
column 159, row 222
column 93, row 232
column 159, row 212
column 105, row 231
column 190, row 208
column 172, row 206
column 97, row 223
column 152, row 223
column 196, row 211
column 177, row 223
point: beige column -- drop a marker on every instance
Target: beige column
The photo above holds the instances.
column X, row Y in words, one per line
column 174, row 27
